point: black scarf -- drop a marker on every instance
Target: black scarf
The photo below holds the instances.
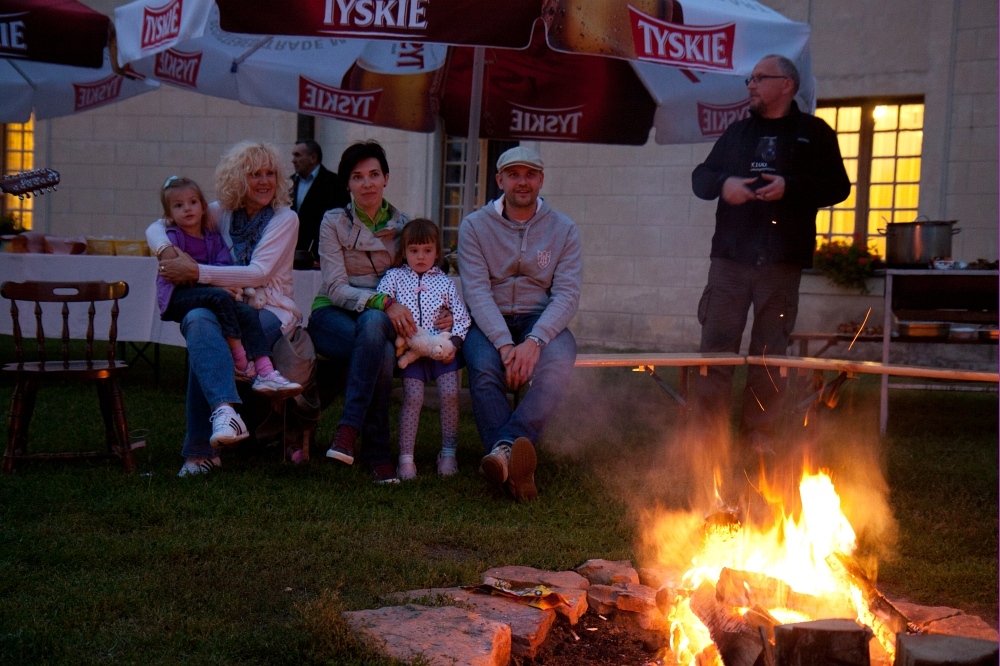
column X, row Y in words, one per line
column 246, row 233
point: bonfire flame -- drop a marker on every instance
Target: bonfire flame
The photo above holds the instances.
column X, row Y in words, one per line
column 756, row 577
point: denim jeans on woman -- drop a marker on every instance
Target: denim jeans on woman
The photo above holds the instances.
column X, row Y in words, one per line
column 211, row 375
column 496, row 421
column 365, row 342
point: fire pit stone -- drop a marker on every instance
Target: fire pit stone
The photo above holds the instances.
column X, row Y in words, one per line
column 529, row 576
column 608, row 572
column 406, row 632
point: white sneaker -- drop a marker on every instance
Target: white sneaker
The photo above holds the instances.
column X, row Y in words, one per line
column 447, row 465
column 276, row 385
column 406, row 471
column 494, row 464
column 227, row 427
column 199, row 466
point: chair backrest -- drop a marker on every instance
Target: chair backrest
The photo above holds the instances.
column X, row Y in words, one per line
column 65, row 293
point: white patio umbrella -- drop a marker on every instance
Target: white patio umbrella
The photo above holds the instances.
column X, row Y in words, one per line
column 609, row 70
column 54, row 61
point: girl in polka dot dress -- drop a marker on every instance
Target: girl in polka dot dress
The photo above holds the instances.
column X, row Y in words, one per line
column 418, row 283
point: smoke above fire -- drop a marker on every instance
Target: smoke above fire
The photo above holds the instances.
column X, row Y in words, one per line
column 634, row 436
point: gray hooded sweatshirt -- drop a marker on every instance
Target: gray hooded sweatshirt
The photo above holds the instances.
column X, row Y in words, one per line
column 520, row 268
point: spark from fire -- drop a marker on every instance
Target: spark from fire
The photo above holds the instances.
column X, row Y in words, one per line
column 759, row 403
column 860, row 329
column 766, row 369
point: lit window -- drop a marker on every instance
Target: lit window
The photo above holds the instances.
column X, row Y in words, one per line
column 881, row 142
column 18, row 155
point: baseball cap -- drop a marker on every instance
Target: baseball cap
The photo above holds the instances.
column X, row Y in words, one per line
column 520, row 155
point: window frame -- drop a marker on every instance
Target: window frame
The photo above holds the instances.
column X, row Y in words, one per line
column 866, row 137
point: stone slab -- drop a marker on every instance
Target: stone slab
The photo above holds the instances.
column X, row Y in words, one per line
column 636, row 598
column 528, row 625
column 443, row 635
column 936, row 649
column 602, row 598
column 608, row 572
column 577, row 600
column 529, row 577
column 945, row 620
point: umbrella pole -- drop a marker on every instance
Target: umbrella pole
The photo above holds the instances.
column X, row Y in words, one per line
column 472, row 144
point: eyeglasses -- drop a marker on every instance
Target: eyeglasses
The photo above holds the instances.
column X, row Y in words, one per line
column 170, row 180
column 757, row 78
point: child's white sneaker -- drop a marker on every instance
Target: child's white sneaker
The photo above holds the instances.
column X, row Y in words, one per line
column 275, row 385
column 406, row 471
column 447, row 465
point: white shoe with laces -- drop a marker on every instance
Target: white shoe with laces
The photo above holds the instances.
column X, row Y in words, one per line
column 494, row 464
column 227, row 427
column 195, row 466
column 275, row 385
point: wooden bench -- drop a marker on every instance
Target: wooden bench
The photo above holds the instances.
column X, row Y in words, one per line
column 647, row 362
column 828, row 339
column 847, row 368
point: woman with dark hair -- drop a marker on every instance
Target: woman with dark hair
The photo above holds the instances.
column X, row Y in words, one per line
column 351, row 322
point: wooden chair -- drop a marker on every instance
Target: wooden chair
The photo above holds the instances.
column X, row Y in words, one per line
column 28, row 375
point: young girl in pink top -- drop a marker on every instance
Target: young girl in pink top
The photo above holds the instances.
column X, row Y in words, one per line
column 190, row 230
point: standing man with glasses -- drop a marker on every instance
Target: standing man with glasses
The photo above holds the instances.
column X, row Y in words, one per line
column 315, row 190
column 770, row 172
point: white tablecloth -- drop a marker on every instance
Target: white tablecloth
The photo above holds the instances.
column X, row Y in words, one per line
column 138, row 318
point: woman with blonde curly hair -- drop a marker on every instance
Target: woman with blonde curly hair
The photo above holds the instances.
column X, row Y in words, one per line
column 260, row 230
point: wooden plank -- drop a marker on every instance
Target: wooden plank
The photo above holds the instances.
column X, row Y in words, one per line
column 872, row 367
column 680, row 360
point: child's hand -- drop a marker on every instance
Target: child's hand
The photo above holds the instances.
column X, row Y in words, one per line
column 236, row 293
column 444, row 320
column 449, row 356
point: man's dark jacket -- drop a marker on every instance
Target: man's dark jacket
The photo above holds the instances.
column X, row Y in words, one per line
column 326, row 193
column 783, row 231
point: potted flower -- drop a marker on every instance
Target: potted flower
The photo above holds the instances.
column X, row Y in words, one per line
column 847, row 265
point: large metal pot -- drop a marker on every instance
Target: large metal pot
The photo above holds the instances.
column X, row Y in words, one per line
column 918, row 243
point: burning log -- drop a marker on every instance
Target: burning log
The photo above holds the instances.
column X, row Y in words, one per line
column 942, row 650
column 747, row 588
column 841, row 642
column 738, row 643
column 886, row 620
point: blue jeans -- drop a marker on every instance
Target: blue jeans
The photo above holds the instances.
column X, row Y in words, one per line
column 365, row 343
column 236, row 320
column 211, row 379
column 488, row 384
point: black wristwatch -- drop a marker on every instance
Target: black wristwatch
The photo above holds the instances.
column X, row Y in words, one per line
column 537, row 340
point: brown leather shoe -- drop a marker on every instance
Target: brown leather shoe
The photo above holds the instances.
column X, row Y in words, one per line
column 521, row 472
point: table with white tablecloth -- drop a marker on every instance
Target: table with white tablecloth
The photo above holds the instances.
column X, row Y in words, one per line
column 139, row 316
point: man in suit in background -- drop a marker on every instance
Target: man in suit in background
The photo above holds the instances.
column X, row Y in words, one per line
column 316, row 190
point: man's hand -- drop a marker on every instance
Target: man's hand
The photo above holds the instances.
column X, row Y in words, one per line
column 180, row 269
column 520, row 363
column 774, row 190
column 736, row 191
column 402, row 320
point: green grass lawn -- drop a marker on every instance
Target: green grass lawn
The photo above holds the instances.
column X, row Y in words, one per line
column 253, row 564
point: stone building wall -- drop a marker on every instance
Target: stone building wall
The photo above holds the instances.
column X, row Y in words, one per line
column 646, row 237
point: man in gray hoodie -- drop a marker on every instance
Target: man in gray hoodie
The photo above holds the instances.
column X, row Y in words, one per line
column 521, row 265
